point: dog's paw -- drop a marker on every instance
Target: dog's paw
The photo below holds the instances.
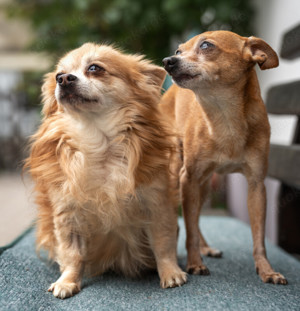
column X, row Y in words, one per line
column 174, row 279
column 210, row 252
column 197, row 269
column 64, row 289
column 274, row 277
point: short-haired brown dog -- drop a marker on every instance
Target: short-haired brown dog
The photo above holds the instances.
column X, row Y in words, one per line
column 216, row 107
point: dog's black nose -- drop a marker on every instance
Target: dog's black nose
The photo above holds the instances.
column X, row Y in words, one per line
column 170, row 62
column 65, row 79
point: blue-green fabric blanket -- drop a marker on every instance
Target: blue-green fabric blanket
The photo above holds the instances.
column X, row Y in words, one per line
column 232, row 285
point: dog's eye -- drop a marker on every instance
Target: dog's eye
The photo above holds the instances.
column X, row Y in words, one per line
column 94, row 68
column 205, row 45
column 177, row 52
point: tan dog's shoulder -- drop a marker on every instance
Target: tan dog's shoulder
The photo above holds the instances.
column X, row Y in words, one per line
column 167, row 102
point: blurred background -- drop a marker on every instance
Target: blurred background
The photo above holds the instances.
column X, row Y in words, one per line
column 35, row 33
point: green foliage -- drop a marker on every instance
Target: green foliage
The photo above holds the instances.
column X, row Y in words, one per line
column 139, row 26
column 150, row 27
column 30, row 87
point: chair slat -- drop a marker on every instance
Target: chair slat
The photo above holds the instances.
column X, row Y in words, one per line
column 284, row 99
column 290, row 47
column 284, row 164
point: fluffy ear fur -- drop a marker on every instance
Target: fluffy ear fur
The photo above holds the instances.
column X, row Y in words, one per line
column 155, row 73
column 48, row 94
column 261, row 53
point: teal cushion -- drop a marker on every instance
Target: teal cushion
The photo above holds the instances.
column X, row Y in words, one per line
column 232, row 285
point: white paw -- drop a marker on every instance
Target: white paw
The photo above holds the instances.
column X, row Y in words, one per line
column 210, row 252
column 174, row 279
column 64, row 289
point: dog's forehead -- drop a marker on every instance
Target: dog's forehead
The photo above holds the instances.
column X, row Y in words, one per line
column 224, row 39
column 87, row 54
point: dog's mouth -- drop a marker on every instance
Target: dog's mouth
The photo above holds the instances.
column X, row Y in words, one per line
column 75, row 98
column 184, row 77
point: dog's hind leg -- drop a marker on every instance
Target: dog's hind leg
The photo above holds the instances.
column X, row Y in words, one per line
column 206, row 250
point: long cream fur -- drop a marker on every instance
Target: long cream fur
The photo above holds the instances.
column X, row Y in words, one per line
column 101, row 171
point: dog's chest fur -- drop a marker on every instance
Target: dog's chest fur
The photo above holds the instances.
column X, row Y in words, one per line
column 229, row 146
column 213, row 137
column 98, row 161
column 98, row 181
column 99, row 165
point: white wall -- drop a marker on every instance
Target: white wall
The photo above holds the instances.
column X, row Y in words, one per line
column 274, row 18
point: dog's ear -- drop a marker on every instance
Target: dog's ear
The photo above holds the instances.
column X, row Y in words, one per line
column 155, row 74
column 48, row 94
column 261, row 53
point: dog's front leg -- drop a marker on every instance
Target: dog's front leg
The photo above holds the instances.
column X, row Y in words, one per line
column 69, row 255
column 257, row 215
column 163, row 241
column 193, row 194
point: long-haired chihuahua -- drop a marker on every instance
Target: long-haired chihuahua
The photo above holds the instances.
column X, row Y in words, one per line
column 100, row 161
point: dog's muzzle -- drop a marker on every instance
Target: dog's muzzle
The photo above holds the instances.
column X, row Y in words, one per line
column 67, row 87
